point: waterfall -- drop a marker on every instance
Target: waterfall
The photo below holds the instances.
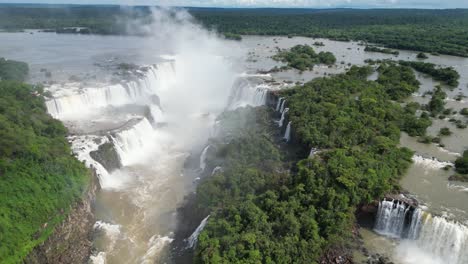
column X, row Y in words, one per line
column 278, row 104
column 283, row 114
column 430, row 163
column 287, row 133
column 445, row 239
column 203, row 158
column 434, row 235
column 282, row 106
column 391, row 218
column 192, row 240
column 312, row 152
column 73, row 101
column 130, row 143
column 246, row 92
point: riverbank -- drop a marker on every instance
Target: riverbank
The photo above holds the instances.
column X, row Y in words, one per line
column 71, row 241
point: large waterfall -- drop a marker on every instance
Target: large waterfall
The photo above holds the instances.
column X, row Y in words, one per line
column 248, row 91
column 73, row 101
column 436, row 236
column 134, row 142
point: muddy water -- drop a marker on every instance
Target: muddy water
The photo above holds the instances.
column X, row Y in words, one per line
column 138, row 219
column 426, row 180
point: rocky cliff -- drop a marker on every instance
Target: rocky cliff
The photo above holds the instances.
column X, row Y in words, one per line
column 71, row 241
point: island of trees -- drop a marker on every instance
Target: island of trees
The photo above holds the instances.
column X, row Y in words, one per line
column 303, row 57
column 268, row 204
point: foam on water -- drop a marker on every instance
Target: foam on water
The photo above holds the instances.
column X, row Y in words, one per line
column 134, row 143
column 155, row 245
column 430, row 163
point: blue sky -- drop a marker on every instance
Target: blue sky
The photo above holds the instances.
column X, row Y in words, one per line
column 270, row 3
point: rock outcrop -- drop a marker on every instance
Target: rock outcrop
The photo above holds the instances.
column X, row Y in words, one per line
column 71, row 241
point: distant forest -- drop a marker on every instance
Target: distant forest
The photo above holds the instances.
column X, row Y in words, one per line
column 433, row 31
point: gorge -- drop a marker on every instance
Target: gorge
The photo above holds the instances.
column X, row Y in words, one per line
column 191, row 118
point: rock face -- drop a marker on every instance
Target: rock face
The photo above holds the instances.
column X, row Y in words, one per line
column 107, row 156
column 71, row 241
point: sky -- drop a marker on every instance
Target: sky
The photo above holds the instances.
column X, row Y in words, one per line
column 271, row 3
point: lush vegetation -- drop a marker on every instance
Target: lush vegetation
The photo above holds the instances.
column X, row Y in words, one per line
column 432, row 31
column 377, row 49
column 303, row 57
column 448, row 75
column 13, row 70
column 461, row 164
column 39, row 179
column 268, row 208
column 422, row 56
column 437, row 103
column 399, row 81
column 464, row 111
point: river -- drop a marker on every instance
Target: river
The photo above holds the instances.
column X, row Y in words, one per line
column 160, row 113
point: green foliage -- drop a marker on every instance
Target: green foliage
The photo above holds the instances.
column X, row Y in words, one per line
column 437, row 103
column 13, row 70
column 461, row 164
column 377, row 49
column 448, row 75
column 445, row 131
column 263, row 211
column 232, row 36
column 422, row 56
column 303, row 57
column 39, row 179
column 399, row 81
column 464, row 111
column 431, row 31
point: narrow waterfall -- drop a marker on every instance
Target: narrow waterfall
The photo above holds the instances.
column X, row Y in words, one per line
column 130, row 143
column 434, row 235
column 278, row 104
column 203, row 158
column 247, row 92
column 192, row 240
column 287, row 133
column 283, row 104
column 283, row 114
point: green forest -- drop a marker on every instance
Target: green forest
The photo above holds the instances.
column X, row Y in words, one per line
column 432, row 31
column 269, row 204
column 39, row 178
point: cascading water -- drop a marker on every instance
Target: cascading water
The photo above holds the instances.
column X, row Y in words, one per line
column 203, row 158
column 434, row 236
column 278, row 104
column 192, row 240
column 72, row 101
column 135, row 142
column 283, row 104
column 283, row 115
column 248, row 92
column 391, row 218
column 287, row 133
